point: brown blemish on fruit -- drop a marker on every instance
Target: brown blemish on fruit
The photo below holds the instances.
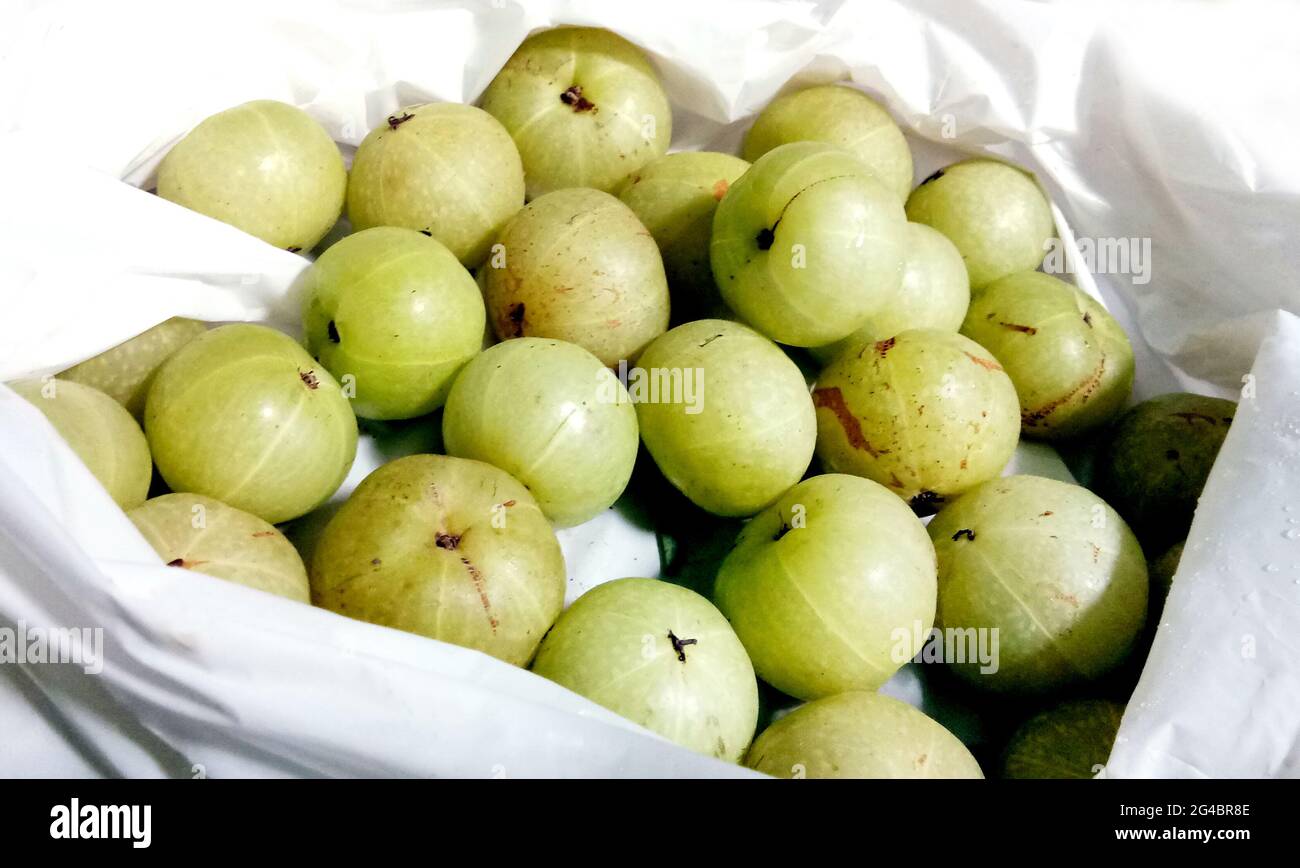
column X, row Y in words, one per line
column 332, row 332
column 184, row 564
column 448, row 541
column 1044, row 514
column 262, row 533
column 309, row 379
column 1087, row 320
column 883, row 347
column 765, row 238
column 987, row 364
column 1029, row 330
column 395, row 121
column 964, row 532
column 708, row 341
column 720, row 189
column 374, row 562
column 178, row 562
column 832, row 399
column 934, row 177
column 294, row 249
column 1083, row 391
column 1070, row 599
column 426, row 232
column 515, row 320
column 574, row 99
column 1096, row 552
column 964, row 462
column 679, row 645
column 477, row 578
column 508, row 504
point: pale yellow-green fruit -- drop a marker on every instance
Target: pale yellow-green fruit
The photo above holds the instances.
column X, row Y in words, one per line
column 264, row 167
column 104, row 436
column 934, row 294
column 832, row 588
column 243, row 414
column 840, row 116
column 584, row 106
column 663, row 657
column 577, row 265
column 725, row 414
column 1048, row 570
column 125, row 371
column 675, row 197
column 1070, row 360
column 445, row 169
column 204, row 535
column 807, row 244
column 860, row 735
column 928, row 414
column 448, row 548
column 994, row 212
column 551, row 415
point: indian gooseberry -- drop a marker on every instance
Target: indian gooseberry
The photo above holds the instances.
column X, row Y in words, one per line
column 394, row 311
column 550, row 414
column 675, row 197
column 448, row 548
column 807, row 244
column 934, row 294
column 1070, row 740
column 725, row 414
column 201, row 534
column 1048, row 566
column 445, row 169
column 1069, row 359
column 832, row 588
column 264, row 167
column 994, row 212
column 577, row 265
column 661, row 656
column 584, row 106
column 242, row 414
column 125, row 371
column 1156, row 459
column 928, row 414
column 840, row 116
column 860, row 735
column 105, row 437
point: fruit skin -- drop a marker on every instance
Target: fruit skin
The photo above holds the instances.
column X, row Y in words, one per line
column 754, row 432
column 808, row 244
column 840, row 116
column 994, row 213
column 928, row 414
column 615, row 646
column 551, row 415
column 449, row 169
column 125, row 371
column 1071, row 740
column 676, row 197
column 584, row 106
column 578, row 266
column 1162, row 571
column 1156, row 460
column 104, row 436
column 264, row 167
column 228, row 543
column 1053, row 568
column 934, row 294
column 860, row 735
column 1071, row 362
column 242, row 414
column 448, row 548
column 830, row 587
column 396, row 311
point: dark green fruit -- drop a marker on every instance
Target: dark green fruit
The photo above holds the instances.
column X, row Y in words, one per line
column 1155, row 465
column 1072, row 740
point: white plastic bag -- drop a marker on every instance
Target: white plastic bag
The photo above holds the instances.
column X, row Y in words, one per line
column 1173, row 122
